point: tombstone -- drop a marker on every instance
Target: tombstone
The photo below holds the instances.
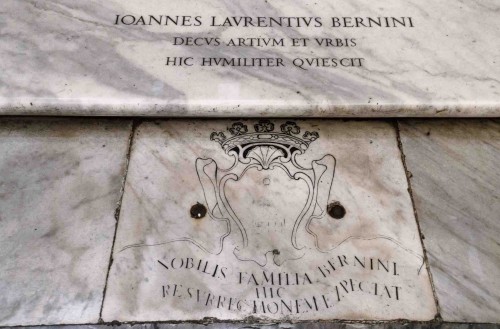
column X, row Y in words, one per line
column 275, row 220
column 219, row 59
column 249, row 206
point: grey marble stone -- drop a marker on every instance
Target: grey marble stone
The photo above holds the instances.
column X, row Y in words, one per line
column 302, row 325
column 60, row 183
column 262, row 242
column 90, row 57
column 456, row 186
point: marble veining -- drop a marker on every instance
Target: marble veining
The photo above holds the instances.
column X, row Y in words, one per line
column 300, row 325
column 59, row 187
column 234, row 220
column 456, row 186
column 70, row 58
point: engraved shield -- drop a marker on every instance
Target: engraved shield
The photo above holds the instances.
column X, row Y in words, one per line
column 268, row 197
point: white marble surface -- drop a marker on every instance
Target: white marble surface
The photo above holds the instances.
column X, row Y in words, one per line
column 60, row 183
column 266, row 219
column 299, row 325
column 68, row 57
column 456, row 185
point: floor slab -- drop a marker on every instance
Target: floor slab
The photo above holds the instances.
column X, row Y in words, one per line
column 456, row 187
column 264, row 221
column 301, row 325
column 59, row 186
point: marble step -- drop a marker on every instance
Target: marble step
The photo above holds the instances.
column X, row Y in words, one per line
column 261, row 221
column 279, row 58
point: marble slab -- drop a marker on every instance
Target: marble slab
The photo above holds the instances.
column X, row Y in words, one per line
column 456, row 186
column 269, row 58
column 265, row 221
column 60, row 183
column 301, row 325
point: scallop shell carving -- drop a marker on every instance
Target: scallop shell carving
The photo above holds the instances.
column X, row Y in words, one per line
column 265, row 155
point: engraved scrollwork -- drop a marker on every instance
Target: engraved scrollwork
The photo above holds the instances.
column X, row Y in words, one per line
column 267, row 150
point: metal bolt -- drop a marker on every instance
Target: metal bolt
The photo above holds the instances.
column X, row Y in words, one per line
column 336, row 210
column 198, row 211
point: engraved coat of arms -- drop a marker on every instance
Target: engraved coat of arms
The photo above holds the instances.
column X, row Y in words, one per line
column 268, row 198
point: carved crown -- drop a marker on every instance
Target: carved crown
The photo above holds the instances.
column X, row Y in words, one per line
column 288, row 139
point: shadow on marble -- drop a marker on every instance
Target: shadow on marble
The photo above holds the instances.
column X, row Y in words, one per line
column 456, row 188
column 59, row 187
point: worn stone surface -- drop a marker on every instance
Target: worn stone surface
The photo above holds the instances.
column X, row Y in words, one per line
column 305, row 325
column 59, row 185
column 456, row 185
column 362, row 58
column 260, row 243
